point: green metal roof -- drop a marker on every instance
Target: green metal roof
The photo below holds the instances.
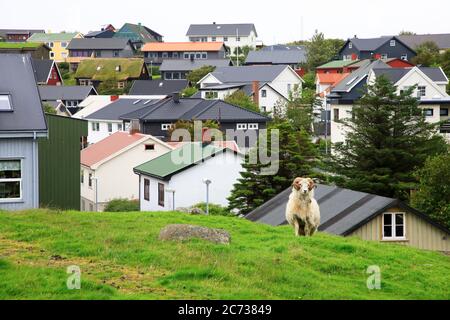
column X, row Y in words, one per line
column 178, row 160
column 337, row 64
column 46, row 37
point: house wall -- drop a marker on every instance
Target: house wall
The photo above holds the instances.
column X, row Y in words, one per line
column 419, row 233
column 23, row 149
column 189, row 187
column 338, row 131
column 54, row 79
column 157, row 57
column 268, row 103
column 96, row 136
column 231, row 42
column 116, row 178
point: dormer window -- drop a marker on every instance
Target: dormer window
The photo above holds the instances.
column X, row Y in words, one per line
column 392, row 43
column 5, row 102
column 350, row 45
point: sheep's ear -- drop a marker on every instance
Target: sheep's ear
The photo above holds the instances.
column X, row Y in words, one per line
column 312, row 185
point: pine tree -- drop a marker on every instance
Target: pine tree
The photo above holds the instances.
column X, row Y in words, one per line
column 387, row 139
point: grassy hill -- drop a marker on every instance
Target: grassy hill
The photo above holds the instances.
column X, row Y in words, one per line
column 121, row 257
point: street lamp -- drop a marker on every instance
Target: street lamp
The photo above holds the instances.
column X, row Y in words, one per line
column 207, row 182
column 172, row 191
column 96, row 193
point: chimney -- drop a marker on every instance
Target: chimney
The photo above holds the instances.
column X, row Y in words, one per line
column 214, row 22
column 134, row 127
column 355, row 36
column 255, row 89
column 176, row 97
column 114, row 98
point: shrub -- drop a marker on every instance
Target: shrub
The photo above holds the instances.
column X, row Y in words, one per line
column 215, row 209
column 189, row 92
column 122, row 205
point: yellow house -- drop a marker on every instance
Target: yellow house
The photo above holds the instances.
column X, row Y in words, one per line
column 57, row 42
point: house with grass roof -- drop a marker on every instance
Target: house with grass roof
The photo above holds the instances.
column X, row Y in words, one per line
column 177, row 178
column 35, row 49
column 57, row 42
column 115, row 73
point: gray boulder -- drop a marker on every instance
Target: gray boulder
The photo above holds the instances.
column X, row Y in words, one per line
column 181, row 232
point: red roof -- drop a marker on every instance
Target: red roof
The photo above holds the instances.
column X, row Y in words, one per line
column 331, row 78
column 108, row 146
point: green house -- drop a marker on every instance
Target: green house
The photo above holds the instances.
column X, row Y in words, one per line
column 59, row 162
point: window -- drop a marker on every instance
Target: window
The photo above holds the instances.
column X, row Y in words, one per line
column 146, row 190
column 10, row 179
column 392, row 43
column 82, row 176
column 119, row 127
column 241, row 126
column 428, row 112
column 213, row 39
column 109, row 127
column 176, row 76
column 95, row 126
column 63, row 44
column 421, row 91
column 186, row 55
column 166, row 126
column 263, row 109
column 350, row 45
column 211, row 95
column 225, row 39
column 289, row 87
column 149, row 147
column 160, row 194
column 394, row 226
column 175, row 55
column 165, row 54
column 198, row 55
column 264, row 93
column 238, row 39
column 168, row 75
column 5, row 102
column 121, row 85
column 404, row 57
column 52, row 54
column 444, row 112
column 347, row 57
column 97, row 53
column 51, row 44
column 336, row 114
column 90, row 180
column 384, row 56
column 253, row 126
column 204, row 55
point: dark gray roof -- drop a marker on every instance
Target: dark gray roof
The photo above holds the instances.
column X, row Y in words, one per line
column 243, row 29
column 42, row 69
column 49, row 93
column 97, row 44
column 370, row 44
column 342, row 210
column 188, row 65
column 442, row 40
column 248, row 73
column 157, row 87
column 18, row 81
column 19, row 31
column 276, row 57
column 395, row 74
column 283, row 47
column 116, row 109
column 100, row 34
column 357, row 76
column 192, row 108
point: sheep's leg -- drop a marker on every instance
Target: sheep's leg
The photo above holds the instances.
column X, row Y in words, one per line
column 296, row 228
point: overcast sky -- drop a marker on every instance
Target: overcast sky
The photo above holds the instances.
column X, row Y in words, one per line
column 276, row 21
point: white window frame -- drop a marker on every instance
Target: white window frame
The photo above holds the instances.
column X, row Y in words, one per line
column 384, row 56
column 121, row 85
column 5, row 200
column 166, row 126
column 82, row 177
column 211, row 95
column 404, row 57
column 95, row 126
column 253, row 126
column 350, row 45
column 264, row 93
column 110, row 127
column 420, row 92
column 241, row 126
column 392, row 43
column 394, row 227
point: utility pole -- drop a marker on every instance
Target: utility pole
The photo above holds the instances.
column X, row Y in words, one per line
column 237, row 52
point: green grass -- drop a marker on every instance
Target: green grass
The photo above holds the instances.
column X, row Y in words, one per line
column 19, row 45
column 121, row 257
column 130, row 68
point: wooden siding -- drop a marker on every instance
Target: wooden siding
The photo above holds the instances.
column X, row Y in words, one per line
column 419, row 233
column 59, row 163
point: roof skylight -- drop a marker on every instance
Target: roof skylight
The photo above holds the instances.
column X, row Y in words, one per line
column 5, row 102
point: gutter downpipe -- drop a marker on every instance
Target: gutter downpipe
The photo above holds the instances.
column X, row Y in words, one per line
column 35, row 178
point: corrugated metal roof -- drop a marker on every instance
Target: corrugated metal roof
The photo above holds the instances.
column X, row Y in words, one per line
column 17, row 81
column 189, row 65
column 276, row 57
column 243, row 29
column 66, row 92
column 157, row 87
column 98, row 44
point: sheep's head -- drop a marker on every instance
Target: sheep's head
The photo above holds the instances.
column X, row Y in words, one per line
column 303, row 185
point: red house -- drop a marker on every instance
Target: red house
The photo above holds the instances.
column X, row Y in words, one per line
column 47, row 72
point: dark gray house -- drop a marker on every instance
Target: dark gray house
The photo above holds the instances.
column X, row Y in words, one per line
column 376, row 48
column 157, row 87
column 22, row 123
column 178, row 69
column 293, row 56
column 70, row 96
column 80, row 49
column 370, row 217
column 157, row 118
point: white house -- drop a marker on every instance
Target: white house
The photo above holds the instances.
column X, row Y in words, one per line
column 430, row 82
column 233, row 35
column 273, row 84
column 177, row 179
column 107, row 167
